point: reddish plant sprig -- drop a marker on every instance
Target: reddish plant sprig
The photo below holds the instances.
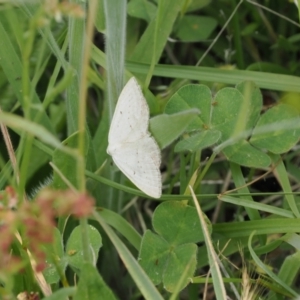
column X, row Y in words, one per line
column 38, row 220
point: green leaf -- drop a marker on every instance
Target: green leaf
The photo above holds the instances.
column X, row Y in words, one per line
column 170, row 255
column 55, row 259
column 144, row 49
column 252, row 104
column 235, row 114
column 91, row 285
column 192, row 96
column 21, row 124
column 154, row 255
column 291, row 99
column 268, row 68
column 226, row 110
column 62, row 294
column 289, row 270
column 278, row 130
column 263, row 226
column 244, row 154
column 37, row 161
column 249, row 29
column 141, row 9
column 195, row 28
column 100, row 17
column 123, row 227
column 74, row 248
column 141, row 280
column 262, row 80
column 257, row 206
column 182, row 262
column 198, row 141
column 292, row 239
column 177, row 222
column 267, row 270
column 232, row 112
column 167, row 128
column 197, row 4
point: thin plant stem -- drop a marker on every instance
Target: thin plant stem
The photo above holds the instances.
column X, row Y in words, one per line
column 10, row 151
column 153, row 59
column 81, row 124
column 218, row 35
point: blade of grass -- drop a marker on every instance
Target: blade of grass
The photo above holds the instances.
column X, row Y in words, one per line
column 37, row 130
column 115, row 18
column 267, row 270
column 276, row 82
column 218, row 283
column 283, row 179
column 121, row 225
column 144, row 284
column 257, row 206
column 13, row 69
column 263, row 226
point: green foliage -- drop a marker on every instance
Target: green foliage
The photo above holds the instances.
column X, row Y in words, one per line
column 167, row 128
column 58, row 259
column 230, row 118
column 194, row 28
column 170, row 253
column 141, row 9
column 222, row 83
column 91, row 286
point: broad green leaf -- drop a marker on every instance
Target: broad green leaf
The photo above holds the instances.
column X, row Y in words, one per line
column 177, row 222
column 232, row 112
column 167, row 128
column 144, row 50
column 244, row 154
column 91, row 285
column 226, row 110
column 170, row 255
column 198, row 141
column 154, row 255
column 74, row 249
column 141, row 9
column 292, row 99
column 182, row 262
column 252, row 103
column 235, row 112
column 194, row 28
column 278, row 130
column 192, row 96
column 55, row 259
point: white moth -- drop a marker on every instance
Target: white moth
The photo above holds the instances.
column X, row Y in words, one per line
column 132, row 148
